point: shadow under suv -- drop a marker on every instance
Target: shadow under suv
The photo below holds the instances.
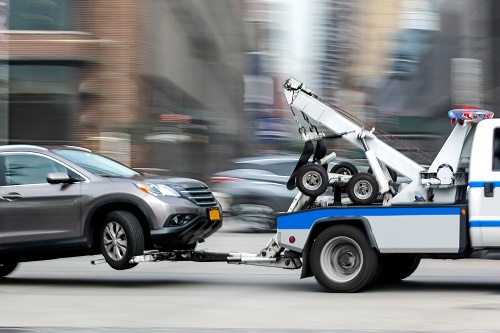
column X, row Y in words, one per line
column 67, row 201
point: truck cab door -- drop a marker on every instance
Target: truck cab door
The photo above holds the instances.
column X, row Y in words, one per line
column 484, row 186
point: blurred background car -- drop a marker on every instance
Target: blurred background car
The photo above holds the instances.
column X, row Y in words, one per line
column 253, row 189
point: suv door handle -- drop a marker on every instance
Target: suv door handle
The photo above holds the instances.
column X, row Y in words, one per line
column 12, row 196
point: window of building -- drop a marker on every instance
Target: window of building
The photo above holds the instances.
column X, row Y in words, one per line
column 41, row 103
column 41, row 15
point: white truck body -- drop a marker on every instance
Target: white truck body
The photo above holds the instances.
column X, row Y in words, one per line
column 472, row 223
column 458, row 216
column 425, row 229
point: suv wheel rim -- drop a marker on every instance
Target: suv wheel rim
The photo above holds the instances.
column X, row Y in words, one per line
column 115, row 240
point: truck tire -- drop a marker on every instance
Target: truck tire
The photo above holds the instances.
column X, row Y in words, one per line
column 362, row 189
column 344, row 168
column 7, row 268
column 342, row 260
column 397, row 267
column 121, row 239
column 312, row 180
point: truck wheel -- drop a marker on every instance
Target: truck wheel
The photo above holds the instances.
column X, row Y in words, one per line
column 7, row 268
column 121, row 239
column 312, row 180
column 342, row 259
column 362, row 189
column 397, row 267
column 344, row 168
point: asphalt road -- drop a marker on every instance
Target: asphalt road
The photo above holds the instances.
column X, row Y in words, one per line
column 70, row 295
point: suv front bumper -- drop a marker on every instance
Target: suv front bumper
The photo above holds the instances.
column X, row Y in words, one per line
column 189, row 234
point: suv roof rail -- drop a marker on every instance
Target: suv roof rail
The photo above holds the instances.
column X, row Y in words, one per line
column 22, row 147
column 78, row 148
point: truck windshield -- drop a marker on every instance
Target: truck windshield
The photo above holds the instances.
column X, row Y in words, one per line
column 97, row 164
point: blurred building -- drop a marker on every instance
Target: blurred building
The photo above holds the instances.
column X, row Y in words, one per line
column 332, row 38
column 377, row 20
column 443, row 58
column 414, row 98
column 196, row 84
column 148, row 82
column 269, row 60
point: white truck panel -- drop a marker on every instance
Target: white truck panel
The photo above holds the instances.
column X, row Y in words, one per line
column 395, row 229
column 417, row 234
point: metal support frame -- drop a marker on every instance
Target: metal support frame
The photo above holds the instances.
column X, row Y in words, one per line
column 239, row 258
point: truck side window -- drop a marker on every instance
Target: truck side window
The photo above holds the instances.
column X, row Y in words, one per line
column 496, row 149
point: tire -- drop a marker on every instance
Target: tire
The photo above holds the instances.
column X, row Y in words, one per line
column 7, row 268
column 121, row 239
column 392, row 173
column 344, row 168
column 398, row 267
column 312, row 180
column 342, row 259
column 362, row 189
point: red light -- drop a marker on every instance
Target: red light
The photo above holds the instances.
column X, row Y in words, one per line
column 223, row 179
column 291, row 239
column 468, row 115
column 489, row 116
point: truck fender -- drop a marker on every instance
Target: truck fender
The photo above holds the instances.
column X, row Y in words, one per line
column 322, row 224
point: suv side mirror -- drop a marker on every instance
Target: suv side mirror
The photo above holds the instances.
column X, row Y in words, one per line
column 58, row 178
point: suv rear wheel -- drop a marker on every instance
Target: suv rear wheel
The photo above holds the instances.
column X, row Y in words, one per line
column 7, row 268
column 121, row 239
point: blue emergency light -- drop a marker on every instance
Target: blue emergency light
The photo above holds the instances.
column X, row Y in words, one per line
column 474, row 115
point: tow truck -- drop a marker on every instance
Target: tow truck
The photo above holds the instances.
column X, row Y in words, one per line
column 447, row 210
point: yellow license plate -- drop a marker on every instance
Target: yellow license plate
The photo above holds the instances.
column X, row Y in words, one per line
column 214, row 214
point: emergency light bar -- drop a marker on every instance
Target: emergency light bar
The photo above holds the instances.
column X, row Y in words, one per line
column 474, row 115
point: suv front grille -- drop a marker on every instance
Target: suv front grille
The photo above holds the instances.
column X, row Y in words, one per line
column 201, row 195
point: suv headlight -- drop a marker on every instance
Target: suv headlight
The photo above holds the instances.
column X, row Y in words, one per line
column 157, row 189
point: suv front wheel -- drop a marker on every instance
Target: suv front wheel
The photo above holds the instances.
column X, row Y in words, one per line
column 121, row 239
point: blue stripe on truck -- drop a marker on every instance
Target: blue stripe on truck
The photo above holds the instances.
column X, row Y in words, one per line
column 484, row 224
column 481, row 184
column 305, row 219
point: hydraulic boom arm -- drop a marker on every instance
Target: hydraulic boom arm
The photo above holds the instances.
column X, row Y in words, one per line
column 304, row 100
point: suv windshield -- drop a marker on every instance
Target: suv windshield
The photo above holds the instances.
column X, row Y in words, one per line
column 97, row 164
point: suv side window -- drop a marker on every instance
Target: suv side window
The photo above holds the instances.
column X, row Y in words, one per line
column 24, row 169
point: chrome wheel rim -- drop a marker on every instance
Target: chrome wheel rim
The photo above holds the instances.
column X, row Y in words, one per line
column 341, row 259
column 312, row 180
column 363, row 189
column 115, row 240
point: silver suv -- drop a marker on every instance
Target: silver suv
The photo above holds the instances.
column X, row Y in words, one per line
column 66, row 201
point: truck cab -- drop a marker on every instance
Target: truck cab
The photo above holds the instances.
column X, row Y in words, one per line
column 484, row 185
